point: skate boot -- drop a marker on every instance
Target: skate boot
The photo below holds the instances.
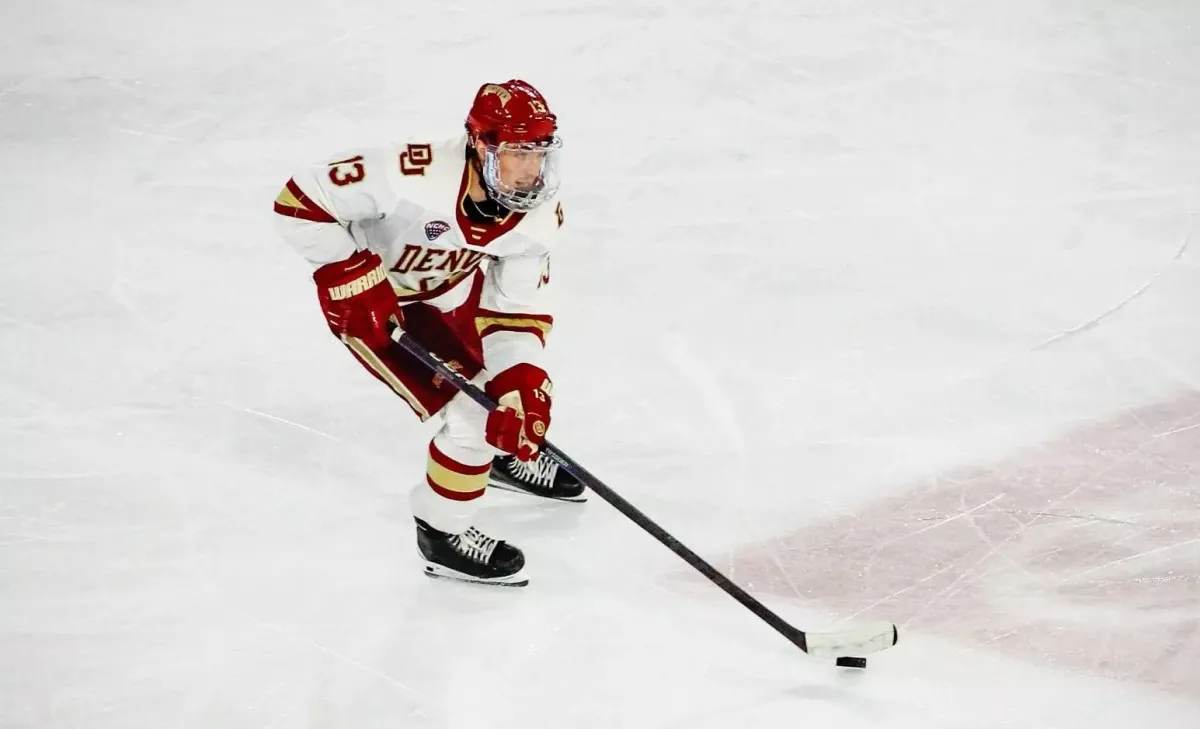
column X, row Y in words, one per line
column 471, row 557
column 541, row 477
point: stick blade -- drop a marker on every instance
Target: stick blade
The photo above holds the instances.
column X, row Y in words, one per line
column 855, row 641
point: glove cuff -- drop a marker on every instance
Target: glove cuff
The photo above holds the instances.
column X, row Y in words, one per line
column 353, row 276
column 521, row 376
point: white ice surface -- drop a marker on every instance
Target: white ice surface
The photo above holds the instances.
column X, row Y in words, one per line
column 818, row 250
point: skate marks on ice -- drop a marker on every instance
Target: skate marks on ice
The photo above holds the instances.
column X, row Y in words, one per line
column 1095, row 321
column 1082, row 554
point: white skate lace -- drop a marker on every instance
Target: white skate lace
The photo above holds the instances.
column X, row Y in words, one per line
column 475, row 544
column 540, row 472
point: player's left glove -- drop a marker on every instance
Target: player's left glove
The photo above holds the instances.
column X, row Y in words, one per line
column 519, row 425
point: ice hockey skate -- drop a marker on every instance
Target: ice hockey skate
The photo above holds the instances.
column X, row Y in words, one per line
column 471, row 556
column 540, row 477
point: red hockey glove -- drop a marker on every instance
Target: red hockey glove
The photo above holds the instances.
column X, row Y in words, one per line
column 357, row 299
column 519, row 424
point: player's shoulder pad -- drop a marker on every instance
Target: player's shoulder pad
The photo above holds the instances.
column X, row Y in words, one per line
column 428, row 171
column 419, row 156
column 544, row 223
column 377, row 162
column 350, row 170
column 351, row 185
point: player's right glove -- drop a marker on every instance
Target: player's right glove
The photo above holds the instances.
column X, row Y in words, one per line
column 357, row 299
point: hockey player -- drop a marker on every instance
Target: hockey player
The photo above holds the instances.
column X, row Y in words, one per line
column 451, row 242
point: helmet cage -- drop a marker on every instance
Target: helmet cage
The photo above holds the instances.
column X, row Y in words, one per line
column 512, row 193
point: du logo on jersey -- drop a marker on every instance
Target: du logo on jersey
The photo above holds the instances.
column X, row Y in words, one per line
column 435, row 228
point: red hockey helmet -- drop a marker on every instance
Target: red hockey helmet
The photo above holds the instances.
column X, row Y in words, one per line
column 513, row 111
column 519, row 162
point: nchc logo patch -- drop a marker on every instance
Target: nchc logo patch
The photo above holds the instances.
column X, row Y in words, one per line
column 435, row 228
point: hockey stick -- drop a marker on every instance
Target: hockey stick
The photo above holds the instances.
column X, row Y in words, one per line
column 855, row 642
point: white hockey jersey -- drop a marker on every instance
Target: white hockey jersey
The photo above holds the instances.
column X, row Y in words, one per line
column 407, row 203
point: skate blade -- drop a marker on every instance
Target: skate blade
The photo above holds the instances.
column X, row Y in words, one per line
column 437, row 571
column 504, row 486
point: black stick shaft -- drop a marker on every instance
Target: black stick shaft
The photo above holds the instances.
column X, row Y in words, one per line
column 433, row 362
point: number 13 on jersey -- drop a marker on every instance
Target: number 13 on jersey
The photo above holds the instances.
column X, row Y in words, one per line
column 347, row 171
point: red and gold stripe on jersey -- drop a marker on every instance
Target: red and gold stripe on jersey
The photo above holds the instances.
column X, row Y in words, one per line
column 293, row 203
column 490, row 322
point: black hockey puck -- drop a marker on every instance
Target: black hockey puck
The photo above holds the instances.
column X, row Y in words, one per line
column 849, row 662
